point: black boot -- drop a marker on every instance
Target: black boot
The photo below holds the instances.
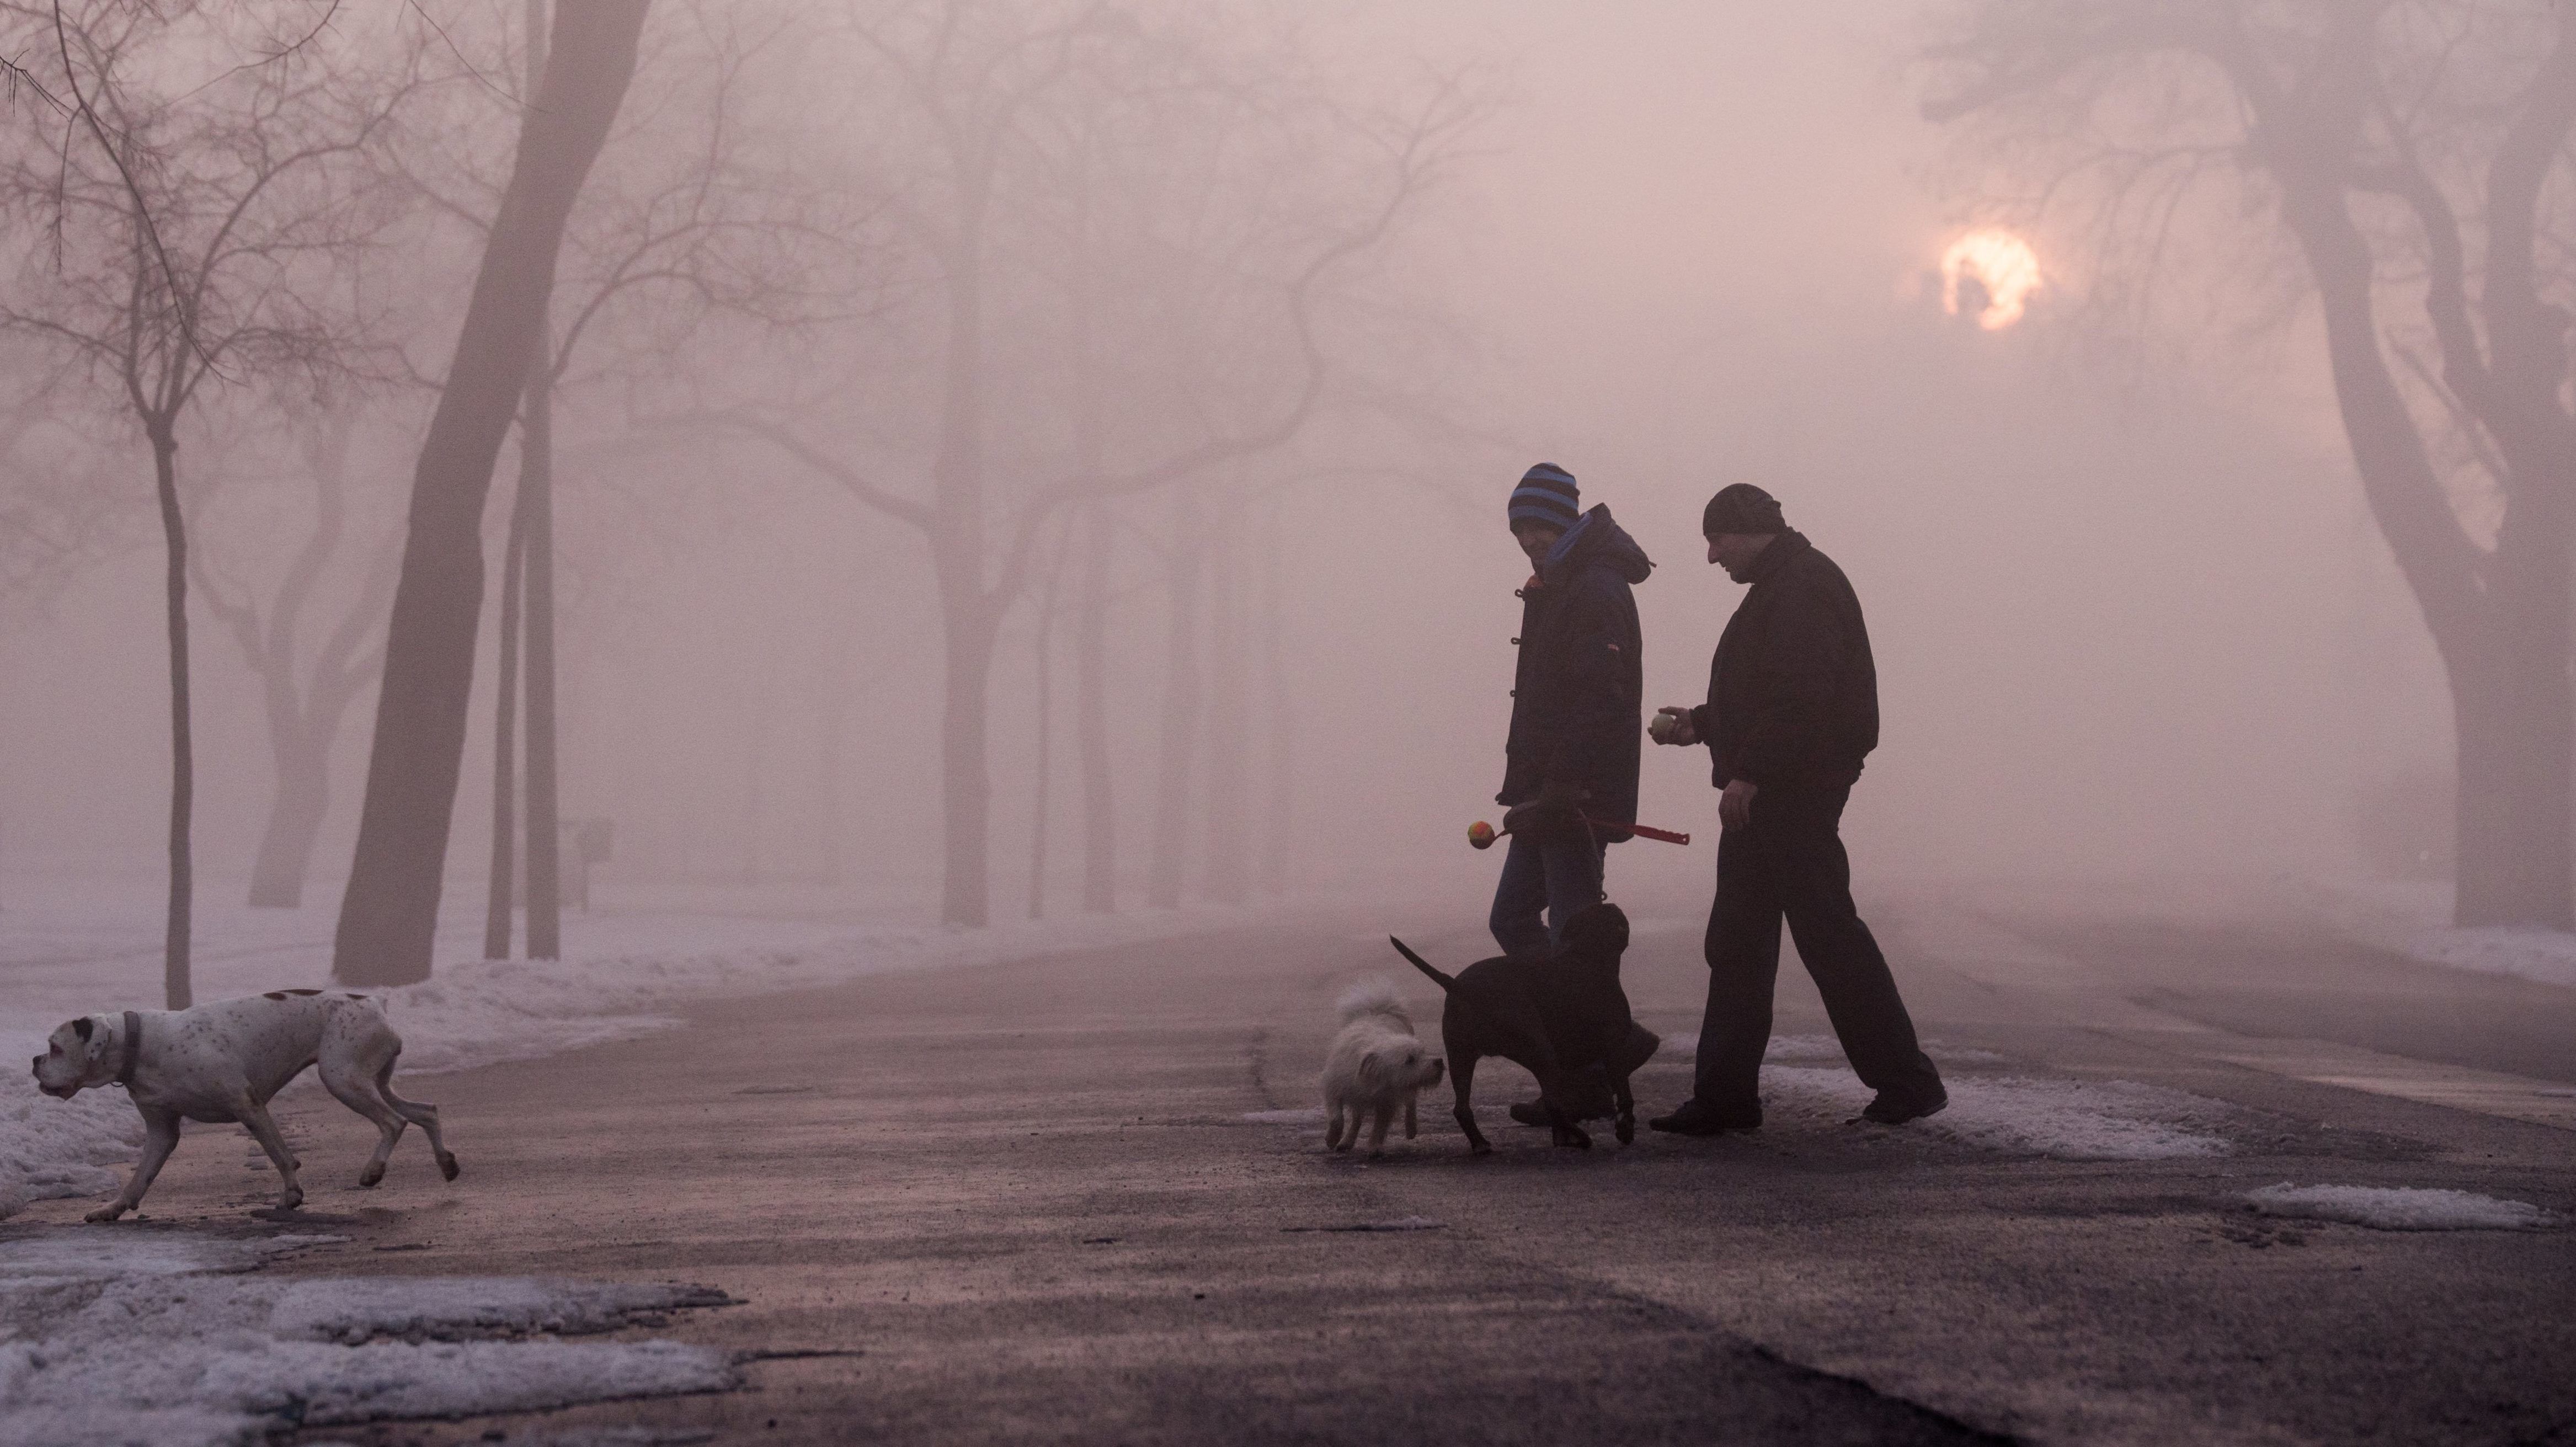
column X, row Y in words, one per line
column 1890, row 1108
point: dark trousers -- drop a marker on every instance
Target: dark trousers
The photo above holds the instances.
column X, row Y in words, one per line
column 1558, row 871
column 1789, row 861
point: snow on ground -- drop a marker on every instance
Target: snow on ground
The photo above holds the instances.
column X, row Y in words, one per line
column 117, row 1337
column 2393, row 1208
column 2413, row 919
column 2069, row 1120
column 1682, row 1049
column 71, row 947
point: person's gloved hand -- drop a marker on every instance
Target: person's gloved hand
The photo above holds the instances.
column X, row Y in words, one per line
column 1559, row 805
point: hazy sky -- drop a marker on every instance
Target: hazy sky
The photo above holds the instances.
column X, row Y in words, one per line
column 2118, row 627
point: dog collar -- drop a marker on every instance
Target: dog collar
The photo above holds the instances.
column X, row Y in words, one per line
column 133, row 1048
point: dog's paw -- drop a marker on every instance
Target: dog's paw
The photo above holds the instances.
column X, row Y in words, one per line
column 292, row 1198
column 103, row 1215
column 447, row 1165
column 374, row 1172
column 1627, row 1131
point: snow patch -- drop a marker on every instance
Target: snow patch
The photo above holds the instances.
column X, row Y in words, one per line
column 120, row 1336
column 2067, row 1120
column 2413, row 919
column 2399, row 1208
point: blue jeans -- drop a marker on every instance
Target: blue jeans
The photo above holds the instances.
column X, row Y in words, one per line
column 1560, row 872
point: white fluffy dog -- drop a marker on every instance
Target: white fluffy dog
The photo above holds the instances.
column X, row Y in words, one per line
column 1376, row 1064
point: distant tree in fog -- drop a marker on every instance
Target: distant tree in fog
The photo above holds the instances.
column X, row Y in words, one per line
column 678, row 223
column 179, row 226
column 305, row 687
column 57, row 514
column 389, row 917
column 1227, row 194
column 2416, row 158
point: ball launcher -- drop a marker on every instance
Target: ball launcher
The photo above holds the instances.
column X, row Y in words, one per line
column 1482, row 835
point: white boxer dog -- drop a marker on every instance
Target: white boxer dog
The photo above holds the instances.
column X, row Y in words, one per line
column 224, row 1061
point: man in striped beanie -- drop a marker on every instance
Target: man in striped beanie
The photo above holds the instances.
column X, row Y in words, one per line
column 1570, row 761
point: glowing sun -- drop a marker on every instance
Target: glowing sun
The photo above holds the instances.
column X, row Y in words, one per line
column 2001, row 265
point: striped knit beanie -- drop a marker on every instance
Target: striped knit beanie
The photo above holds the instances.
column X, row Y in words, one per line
column 1546, row 495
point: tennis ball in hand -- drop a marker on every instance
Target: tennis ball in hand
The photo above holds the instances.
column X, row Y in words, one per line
column 1481, row 834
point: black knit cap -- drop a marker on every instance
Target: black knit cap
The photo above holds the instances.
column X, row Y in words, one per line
column 1741, row 507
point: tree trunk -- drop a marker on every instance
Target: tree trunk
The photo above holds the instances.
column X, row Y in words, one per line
column 968, row 617
column 545, row 859
column 832, row 855
column 1180, row 710
column 389, row 917
column 966, row 788
column 183, row 761
column 294, row 820
column 1278, row 821
column 1091, row 719
column 2500, row 623
column 500, row 897
column 2515, row 742
column 1043, row 774
column 1229, row 731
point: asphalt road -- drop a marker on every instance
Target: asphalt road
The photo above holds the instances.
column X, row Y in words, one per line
column 1034, row 1203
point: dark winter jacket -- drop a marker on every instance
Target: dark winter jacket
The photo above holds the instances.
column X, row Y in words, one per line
column 1579, row 692
column 1792, row 693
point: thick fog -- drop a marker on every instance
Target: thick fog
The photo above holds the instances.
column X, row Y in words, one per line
column 2130, row 613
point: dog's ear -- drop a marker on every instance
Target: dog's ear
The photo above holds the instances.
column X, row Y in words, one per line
column 1600, row 929
column 1372, row 1072
column 83, row 1027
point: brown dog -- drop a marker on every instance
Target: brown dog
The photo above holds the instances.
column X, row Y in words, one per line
column 1556, row 1018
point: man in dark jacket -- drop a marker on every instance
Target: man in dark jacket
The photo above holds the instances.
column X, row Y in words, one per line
column 1577, row 700
column 1792, row 710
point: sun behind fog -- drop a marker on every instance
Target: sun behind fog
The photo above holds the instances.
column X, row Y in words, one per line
column 2004, row 268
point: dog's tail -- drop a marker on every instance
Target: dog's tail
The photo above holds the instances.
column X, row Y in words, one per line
column 1373, row 997
column 1419, row 963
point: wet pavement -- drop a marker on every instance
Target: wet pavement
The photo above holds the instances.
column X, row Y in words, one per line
column 1082, row 1199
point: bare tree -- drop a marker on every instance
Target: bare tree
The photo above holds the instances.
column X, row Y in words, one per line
column 305, row 700
column 389, row 917
column 679, row 224
column 2416, row 157
column 171, row 239
column 57, row 515
column 1003, row 96
column 1185, row 558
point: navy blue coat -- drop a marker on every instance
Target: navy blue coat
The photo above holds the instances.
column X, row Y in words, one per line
column 1578, row 696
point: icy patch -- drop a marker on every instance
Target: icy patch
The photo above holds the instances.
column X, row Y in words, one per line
column 2398, row 1208
column 1310, row 1116
column 1795, row 1049
column 121, row 1336
column 1681, row 1048
column 2067, row 1120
